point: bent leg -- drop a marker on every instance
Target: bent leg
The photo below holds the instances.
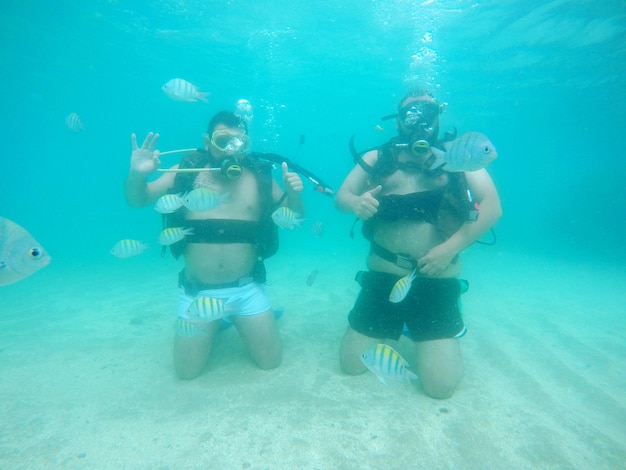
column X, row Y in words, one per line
column 352, row 346
column 191, row 354
column 439, row 366
column 260, row 335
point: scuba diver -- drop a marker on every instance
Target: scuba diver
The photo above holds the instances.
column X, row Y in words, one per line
column 224, row 244
column 417, row 221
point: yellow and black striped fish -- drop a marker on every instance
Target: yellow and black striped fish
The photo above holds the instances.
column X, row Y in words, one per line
column 127, row 248
column 172, row 235
column 169, row 203
column 189, row 329
column 384, row 361
column 401, row 287
column 203, row 199
column 287, row 218
column 207, row 309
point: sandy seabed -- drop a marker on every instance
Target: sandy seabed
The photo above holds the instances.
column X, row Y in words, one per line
column 87, row 376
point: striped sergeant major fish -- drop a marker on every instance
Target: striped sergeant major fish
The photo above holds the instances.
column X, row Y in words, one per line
column 207, row 309
column 74, row 123
column 182, row 90
column 384, row 361
column 172, row 235
column 401, row 287
column 285, row 217
column 203, row 199
column 127, row 248
column 189, row 329
column 169, row 203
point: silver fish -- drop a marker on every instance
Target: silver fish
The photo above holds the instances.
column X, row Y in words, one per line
column 127, row 248
column 286, row 218
column 384, row 361
column 20, row 254
column 317, row 229
column 203, row 199
column 74, row 123
column 169, row 203
column 469, row 152
column 182, row 90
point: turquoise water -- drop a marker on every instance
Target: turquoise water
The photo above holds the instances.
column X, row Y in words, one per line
column 544, row 81
column 85, row 344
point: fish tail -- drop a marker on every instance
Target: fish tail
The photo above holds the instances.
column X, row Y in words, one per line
column 203, row 96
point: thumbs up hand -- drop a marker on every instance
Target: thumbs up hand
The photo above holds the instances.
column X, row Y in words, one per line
column 367, row 204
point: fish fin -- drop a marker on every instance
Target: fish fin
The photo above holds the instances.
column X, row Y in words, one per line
column 411, row 376
column 440, row 159
column 373, row 371
column 203, row 95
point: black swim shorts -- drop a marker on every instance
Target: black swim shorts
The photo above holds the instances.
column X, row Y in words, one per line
column 431, row 309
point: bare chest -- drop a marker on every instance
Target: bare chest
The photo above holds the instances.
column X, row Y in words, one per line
column 406, row 182
column 239, row 199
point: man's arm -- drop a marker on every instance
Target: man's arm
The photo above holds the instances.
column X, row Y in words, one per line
column 353, row 195
column 486, row 196
column 293, row 188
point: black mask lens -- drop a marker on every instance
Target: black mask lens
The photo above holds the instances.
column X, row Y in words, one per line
column 418, row 115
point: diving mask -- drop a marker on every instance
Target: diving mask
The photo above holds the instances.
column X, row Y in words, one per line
column 419, row 116
column 230, row 142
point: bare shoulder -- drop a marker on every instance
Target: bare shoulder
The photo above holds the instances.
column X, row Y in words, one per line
column 478, row 178
column 481, row 184
column 370, row 157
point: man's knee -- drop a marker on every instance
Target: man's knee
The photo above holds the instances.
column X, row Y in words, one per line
column 352, row 346
column 268, row 362
column 440, row 390
column 351, row 365
column 186, row 371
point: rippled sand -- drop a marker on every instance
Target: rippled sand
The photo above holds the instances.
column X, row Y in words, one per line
column 87, row 379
